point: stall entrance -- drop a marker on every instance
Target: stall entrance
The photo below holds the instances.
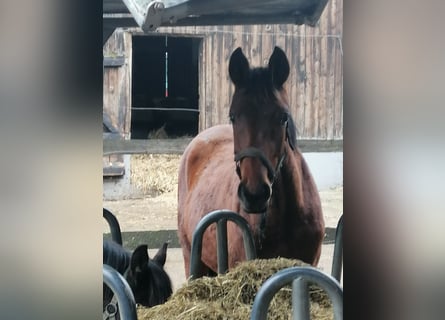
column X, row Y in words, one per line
column 165, row 87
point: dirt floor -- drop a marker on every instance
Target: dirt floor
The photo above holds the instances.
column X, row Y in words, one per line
column 159, row 213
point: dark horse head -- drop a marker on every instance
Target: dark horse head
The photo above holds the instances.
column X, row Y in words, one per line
column 263, row 129
column 147, row 278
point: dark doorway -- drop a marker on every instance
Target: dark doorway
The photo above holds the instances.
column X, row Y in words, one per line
column 164, row 87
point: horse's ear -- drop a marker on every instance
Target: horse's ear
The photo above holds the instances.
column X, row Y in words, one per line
column 238, row 68
column 279, row 67
column 139, row 258
column 161, row 255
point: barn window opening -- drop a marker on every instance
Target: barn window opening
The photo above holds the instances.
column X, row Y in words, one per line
column 165, row 96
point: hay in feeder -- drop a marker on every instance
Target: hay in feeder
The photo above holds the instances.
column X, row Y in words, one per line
column 231, row 296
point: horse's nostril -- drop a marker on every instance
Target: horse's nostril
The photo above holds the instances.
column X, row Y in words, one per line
column 254, row 202
column 261, row 194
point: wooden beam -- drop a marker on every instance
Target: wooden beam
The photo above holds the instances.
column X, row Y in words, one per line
column 177, row 146
column 151, row 146
column 320, row 145
column 113, row 171
column 114, row 61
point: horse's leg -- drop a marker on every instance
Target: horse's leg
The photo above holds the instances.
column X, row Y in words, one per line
column 187, row 265
column 204, row 270
column 186, row 249
column 208, row 272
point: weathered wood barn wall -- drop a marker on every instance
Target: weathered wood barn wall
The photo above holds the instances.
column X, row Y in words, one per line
column 315, row 84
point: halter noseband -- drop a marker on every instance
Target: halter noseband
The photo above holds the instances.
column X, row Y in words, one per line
column 252, row 152
column 272, row 174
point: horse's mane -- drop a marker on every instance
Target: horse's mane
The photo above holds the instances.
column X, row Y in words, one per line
column 291, row 132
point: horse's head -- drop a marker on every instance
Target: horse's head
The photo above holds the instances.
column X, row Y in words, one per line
column 147, row 278
column 262, row 126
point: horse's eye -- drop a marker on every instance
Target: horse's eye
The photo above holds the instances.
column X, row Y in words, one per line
column 232, row 118
column 284, row 118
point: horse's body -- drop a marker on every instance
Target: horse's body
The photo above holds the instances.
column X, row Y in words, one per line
column 146, row 277
column 269, row 183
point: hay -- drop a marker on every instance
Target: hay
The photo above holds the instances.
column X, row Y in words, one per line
column 158, row 133
column 155, row 174
column 231, row 296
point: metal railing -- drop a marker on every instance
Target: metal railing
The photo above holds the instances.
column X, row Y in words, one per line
column 220, row 217
column 337, row 261
column 115, row 229
column 299, row 277
column 121, row 290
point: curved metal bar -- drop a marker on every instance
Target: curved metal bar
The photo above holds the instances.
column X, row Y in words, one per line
column 115, row 229
column 120, row 288
column 220, row 217
column 271, row 286
column 337, row 261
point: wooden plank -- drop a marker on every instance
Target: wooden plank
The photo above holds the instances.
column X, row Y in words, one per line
column 337, row 11
column 323, row 98
column 113, row 171
column 307, row 129
column 113, row 165
column 299, row 42
column 330, row 78
column 320, row 145
column 202, row 80
column 125, row 101
column 218, row 72
column 114, row 61
column 117, row 84
column 151, row 146
column 112, row 135
column 317, row 112
column 228, row 48
column 177, row 146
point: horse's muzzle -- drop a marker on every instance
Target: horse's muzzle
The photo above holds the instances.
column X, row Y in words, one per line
column 254, row 202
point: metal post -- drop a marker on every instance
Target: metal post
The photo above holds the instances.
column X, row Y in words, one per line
column 300, row 299
column 207, row 220
column 115, row 229
column 337, row 261
column 121, row 289
column 221, row 244
column 271, row 286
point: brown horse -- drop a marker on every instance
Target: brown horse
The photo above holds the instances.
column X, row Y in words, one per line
column 269, row 183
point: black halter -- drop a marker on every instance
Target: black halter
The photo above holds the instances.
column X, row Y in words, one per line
column 271, row 173
column 252, row 152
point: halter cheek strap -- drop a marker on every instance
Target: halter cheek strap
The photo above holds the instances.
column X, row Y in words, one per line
column 252, row 152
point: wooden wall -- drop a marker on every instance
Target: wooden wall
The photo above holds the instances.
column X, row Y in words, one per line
column 315, row 85
column 116, row 97
column 117, row 82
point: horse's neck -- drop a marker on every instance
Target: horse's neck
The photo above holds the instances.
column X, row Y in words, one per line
column 116, row 256
column 287, row 195
column 289, row 185
column 287, row 198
